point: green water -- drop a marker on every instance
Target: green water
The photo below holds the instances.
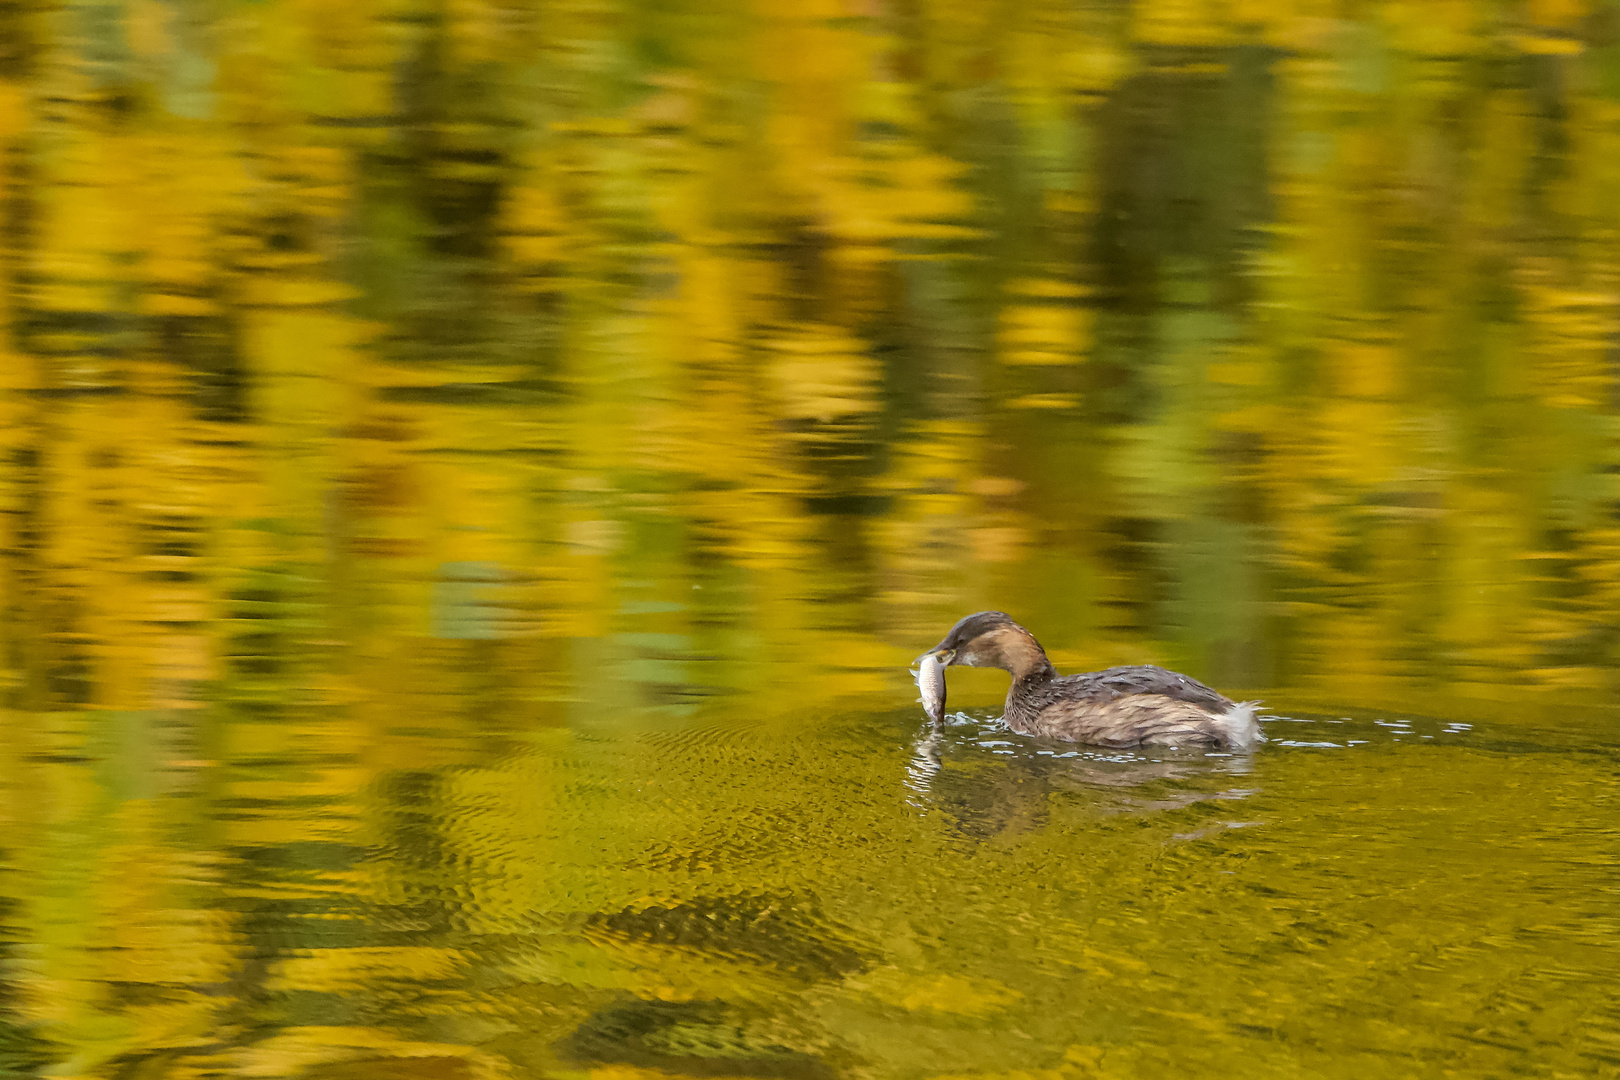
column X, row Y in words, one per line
column 473, row 474
column 835, row 893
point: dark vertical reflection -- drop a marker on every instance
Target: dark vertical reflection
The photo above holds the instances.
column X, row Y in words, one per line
column 1183, row 175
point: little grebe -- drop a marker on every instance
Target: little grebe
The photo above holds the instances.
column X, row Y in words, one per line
column 1137, row 705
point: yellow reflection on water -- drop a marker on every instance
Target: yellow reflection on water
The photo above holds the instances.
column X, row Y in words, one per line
column 473, row 475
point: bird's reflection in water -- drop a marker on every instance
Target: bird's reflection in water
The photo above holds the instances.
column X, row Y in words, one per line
column 991, row 782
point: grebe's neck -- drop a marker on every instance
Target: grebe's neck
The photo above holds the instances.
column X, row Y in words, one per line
column 1015, row 650
column 1024, row 698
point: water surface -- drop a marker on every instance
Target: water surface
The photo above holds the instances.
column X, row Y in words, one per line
column 472, row 475
column 848, row 893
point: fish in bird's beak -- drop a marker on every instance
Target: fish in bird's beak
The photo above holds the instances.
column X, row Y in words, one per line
column 931, row 685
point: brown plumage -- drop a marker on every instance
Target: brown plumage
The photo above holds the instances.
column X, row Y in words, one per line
column 1139, row 705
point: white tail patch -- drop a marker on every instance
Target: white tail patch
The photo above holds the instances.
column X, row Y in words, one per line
column 1241, row 725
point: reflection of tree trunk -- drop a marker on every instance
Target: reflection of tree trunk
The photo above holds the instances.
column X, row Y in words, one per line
column 453, row 140
column 1183, row 171
column 31, row 632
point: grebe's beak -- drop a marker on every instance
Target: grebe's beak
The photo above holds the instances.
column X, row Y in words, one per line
column 944, row 656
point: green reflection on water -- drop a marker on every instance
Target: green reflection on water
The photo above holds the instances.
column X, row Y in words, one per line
column 843, row 894
column 473, row 474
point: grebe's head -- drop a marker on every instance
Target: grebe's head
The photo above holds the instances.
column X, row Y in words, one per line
column 991, row 639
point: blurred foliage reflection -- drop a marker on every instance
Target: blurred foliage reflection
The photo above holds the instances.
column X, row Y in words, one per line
column 395, row 390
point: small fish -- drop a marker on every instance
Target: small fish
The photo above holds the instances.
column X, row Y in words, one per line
column 931, row 682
